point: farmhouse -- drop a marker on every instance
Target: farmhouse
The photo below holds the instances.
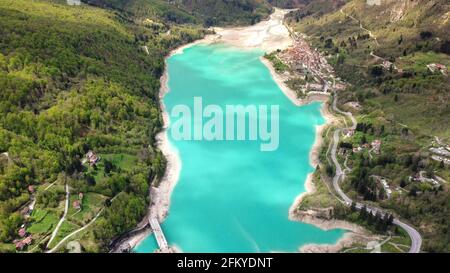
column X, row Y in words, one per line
column 376, row 146
column 92, row 158
column 438, row 68
column 22, row 232
column 76, row 204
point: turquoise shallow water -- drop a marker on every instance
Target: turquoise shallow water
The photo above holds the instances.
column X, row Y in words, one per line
column 231, row 197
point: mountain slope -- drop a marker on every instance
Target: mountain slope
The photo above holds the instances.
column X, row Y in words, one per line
column 384, row 51
column 404, row 31
column 235, row 12
column 208, row 12
column 142, row 9
column 74, row 79
column 289, row 4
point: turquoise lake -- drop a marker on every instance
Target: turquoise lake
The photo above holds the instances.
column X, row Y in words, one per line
column 232, row 197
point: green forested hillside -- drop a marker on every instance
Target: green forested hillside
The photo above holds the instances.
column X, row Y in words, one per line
column 234, row 12
column 207, row 12
column 74, row 79
column 383, row 53
column 410, row 34
column 142, row 9
column 289, row 4
column 316, row 8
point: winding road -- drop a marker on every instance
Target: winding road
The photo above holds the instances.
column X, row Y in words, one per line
column 66, row 209
column 60, row 243
column 75, row 232
column 416, row 238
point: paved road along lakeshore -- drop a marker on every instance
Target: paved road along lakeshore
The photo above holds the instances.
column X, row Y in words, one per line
column 416, row 238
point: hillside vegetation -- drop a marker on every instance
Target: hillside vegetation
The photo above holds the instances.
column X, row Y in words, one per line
column 149, row 9
column 383, row 52
column 207, row 12
column 289, row 4
column 74, row 79
column 316, row 8
column 235, row 12
column 403, row 32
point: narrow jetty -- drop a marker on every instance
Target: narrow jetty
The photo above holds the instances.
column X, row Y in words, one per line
column 159, row 235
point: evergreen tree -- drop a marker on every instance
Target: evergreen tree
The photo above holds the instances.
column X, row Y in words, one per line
column 403, row 183
column 363, row 213
column 370, row 218
column 330, row 170
column 90, row 180
column 379, row 223
column 363, row 140
column 382, row 130
column 108, row 166
column 390, row 220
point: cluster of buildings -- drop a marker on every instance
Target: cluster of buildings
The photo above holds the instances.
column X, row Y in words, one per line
column 306, row 61
column 441, row 154
column 433, row 67
column 374, row 145
column 386, row 64
column 77, row 204
column 418, row 177
column 25, row 239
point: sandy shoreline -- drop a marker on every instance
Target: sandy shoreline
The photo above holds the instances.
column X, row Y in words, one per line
column 357, row 233
column 160, row 195
column 267, row 35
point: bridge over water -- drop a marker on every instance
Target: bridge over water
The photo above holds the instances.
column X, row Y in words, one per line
column 159, row 235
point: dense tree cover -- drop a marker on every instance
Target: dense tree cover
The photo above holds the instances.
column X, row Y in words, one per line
column 289, row 4
column 50, row 199
column 279, row 66
column 366, row 185
column 422, row 203
column 236, row 12
column 309, row 7
column 404, row 104
column 74, row 79
column 207, row 12
column 132, row 209
column 162, row 9
column 430, row 210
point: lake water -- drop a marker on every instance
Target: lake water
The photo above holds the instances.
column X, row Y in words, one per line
column 231, row 196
